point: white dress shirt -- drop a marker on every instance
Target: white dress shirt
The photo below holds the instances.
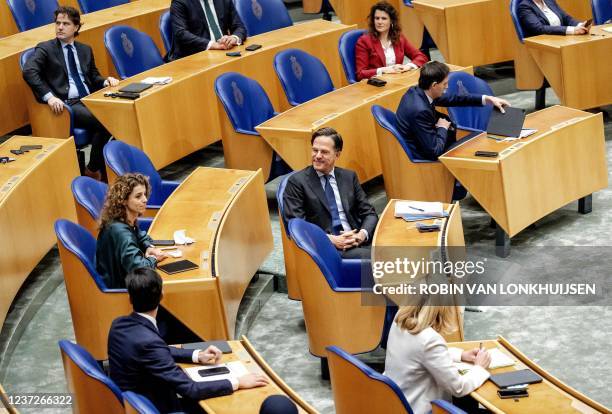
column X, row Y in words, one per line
column 422, row 366
column 211, row 4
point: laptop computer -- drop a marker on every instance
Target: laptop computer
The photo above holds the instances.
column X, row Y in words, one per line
column 509, row 124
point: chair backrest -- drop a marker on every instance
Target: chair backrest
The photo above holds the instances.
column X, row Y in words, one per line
column 477, row 117
column 89, row 197
column 387, row 119
column 131, row 50
column 93, row 307
column 313, row 240
column 92, row 390
column 302, row 75
column 123, row 158
column 165, row 29
column 358, row 388
column 515, row 19
column 261, row 16
column 602, row 11
column 138, row 404
column 245, row 101
column 346, row 47
column 279, row 200
column 29, row 14
column 90, row 6
column 25, row 56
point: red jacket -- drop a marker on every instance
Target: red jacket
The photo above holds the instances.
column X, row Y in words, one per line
column 369, row 55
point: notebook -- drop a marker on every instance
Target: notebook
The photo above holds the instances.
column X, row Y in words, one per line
column 509, row 124
column 508, row 379
column 135, row 87
column 178, row 267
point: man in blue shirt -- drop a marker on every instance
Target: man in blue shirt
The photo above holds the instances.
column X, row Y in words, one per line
column 61, row 72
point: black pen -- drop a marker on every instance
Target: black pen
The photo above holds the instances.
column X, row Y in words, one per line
column 416, row 208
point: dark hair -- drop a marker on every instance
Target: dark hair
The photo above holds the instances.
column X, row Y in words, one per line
column 432, row 72
column 395, row 30
column 144, row 286
column 114, row 204
column 72, row 13
column 328, row 132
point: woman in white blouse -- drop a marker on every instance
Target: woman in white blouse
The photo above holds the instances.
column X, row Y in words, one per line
column 546, row 17
column 420, row 362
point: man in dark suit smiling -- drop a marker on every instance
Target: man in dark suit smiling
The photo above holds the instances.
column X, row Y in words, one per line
column 61, row 72
column 332, row 198
column 199, row 25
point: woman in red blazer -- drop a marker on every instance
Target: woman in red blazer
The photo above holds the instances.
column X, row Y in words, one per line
column 382, row 50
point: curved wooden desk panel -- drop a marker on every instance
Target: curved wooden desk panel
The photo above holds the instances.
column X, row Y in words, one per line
column 348, row 111
column 356, row 11
column 412, row 25
column 248, row 401
column 171, row 121
column 578, row 88
column 578, row 9
column 5, row 405
column 34, row 192
column 208, row 205
column 564, row 161
column 394, row 236
column 549, row 396
column 291, row 269
column 142, row 15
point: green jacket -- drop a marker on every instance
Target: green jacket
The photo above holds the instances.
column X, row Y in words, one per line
column 121, row 249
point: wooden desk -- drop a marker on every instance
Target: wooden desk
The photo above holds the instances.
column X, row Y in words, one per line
column 348, row 11
column 7, row 21
column 142, row 15
column 412, row 25
column 396, row 238
column 34, row 192
column 583, row 85
column 226, row 212
column 469, row 32
column 564, row 161
column 348, row 111
column 549, row 396
column 188, row 107
column 249, row 401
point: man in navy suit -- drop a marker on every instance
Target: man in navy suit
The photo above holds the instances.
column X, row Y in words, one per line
column 546, row 17
column 199, row 25
column 142, row 362
column 427, row 132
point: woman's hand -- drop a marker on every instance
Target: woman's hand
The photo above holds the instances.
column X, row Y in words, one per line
column 158, row 254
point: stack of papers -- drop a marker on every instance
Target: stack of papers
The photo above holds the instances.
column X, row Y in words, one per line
column 419, row 210
column 157, row 81
column 236, row 368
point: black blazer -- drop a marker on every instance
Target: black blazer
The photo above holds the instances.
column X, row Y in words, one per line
column 46, row 71
column 416, row 121
column 190, row 29
column 304, row 198
column 142, row 362
column 534, row 22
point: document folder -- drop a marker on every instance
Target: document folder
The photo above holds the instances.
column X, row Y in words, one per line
column 509, row 124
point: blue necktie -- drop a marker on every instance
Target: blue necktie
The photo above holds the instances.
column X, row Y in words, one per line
column 74, row 73
column 333, row 207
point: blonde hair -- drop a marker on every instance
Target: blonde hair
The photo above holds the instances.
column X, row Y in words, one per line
column 416, row 318
column 118, row 194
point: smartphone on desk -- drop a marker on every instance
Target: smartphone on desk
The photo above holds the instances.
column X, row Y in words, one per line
column 208, row 372
column 509, row 393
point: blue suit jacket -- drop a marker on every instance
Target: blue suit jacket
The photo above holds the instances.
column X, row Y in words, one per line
column 140, row 361
column 534, row 22
column 416, row 121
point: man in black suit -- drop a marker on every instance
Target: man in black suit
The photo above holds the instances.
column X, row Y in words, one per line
column 199, row 25
column 427, row 132
column 332, row 198
column 61, row 72
column 142, row 362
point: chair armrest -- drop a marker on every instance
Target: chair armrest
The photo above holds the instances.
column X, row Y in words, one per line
column 464, row 128
column 47, row 124
column 115, row 291
column 352, row 273
column 153, row 206
column 246, row 132
column 168, row 187
column 441, row 406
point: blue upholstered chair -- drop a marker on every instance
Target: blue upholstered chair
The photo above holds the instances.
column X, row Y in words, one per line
column 165, row 29
column 405, row 177
column 246, row 105
column 92, row 390
column 515, row 19
column 132, row 51
column 90, row 6
column 358, row 388
column 261, row 16
column 602, row 11
column 303, row 76
column 471, row 118
column 92, row 305
column 138, row 404
column 332, row 292
column 30, row 14
column 346, row 47
column 122, row 158
column 289, row 248
column 42, row 119
column 89, row 196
